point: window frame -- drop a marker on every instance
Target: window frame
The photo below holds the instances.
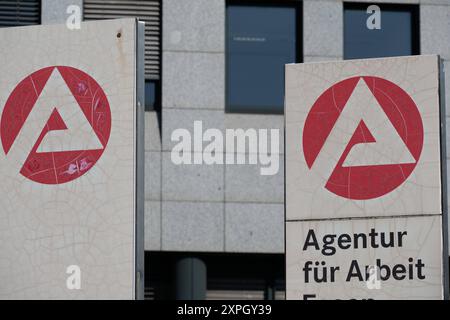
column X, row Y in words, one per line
column 414, row 9
column 298, row 6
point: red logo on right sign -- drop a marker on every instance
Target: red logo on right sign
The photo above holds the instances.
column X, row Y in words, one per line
column 364, row 135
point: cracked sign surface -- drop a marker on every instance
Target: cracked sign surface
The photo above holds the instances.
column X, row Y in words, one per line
column 363, row 153
column 68, row 161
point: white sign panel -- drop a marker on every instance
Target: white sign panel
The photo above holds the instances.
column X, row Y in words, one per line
column 386, row 258
column 363, row 143
column 69, row 157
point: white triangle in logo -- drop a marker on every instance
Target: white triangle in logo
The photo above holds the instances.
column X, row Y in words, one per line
column 79, row 134
column 388, row 147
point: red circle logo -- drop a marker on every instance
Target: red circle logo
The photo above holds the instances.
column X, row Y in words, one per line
column 57, row 122
column 368, row 133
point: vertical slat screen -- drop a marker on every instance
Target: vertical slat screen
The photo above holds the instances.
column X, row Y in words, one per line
column 148, row 11
column 19, row 12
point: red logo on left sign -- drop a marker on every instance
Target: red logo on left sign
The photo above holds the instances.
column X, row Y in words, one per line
column 57, row 123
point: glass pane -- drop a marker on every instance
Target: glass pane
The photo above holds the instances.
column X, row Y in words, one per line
column 260, row 41
column 150, row 95
column 395, row 38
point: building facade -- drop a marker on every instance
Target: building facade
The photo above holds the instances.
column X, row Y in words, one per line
column 217, row 230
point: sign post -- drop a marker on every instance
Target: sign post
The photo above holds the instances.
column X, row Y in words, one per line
column 366, row 201
column 71, row 161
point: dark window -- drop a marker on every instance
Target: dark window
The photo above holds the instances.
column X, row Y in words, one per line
column 148, row 11
column 230, row 276
column 152, row 95
column 398, row 36
column 261, row 39
column 20, row 13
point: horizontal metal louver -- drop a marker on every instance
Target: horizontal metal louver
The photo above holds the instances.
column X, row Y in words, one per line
column 19, row 12
column 149, row 293
column 241, row 295
column 148, row 11
column 235, row 295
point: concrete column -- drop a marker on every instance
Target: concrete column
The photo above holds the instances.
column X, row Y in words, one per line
column 193, row 88
column 322, row 30
column 435, row 39
column 190, row 283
